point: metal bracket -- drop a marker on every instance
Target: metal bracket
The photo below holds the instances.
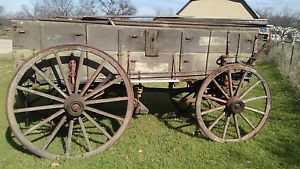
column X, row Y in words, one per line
column 111, row 22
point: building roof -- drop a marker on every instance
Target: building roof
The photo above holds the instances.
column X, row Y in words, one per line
column 243, row 2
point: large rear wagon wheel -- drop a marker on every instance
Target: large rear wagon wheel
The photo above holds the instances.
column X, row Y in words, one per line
column 233, row 103
column 69, row 101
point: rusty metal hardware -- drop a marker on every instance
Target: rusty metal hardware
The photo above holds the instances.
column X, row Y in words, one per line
column 22, row 31
column 188, row 38
column 79, row 34
column 134, row 36
column 222, row 61
column 72, row 67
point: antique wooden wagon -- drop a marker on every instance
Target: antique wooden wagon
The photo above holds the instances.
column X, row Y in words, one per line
column 77, row 93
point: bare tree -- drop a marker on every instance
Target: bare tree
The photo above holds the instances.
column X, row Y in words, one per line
column 285, row 18
column 87, row 8
column 286, row 23
column 117, row 7
column 54, row 8
column 1, row 10
column 284, row 33
column 33, row 12
column 58, row 7
column 47, row 9
column 105, row 7
column 164, row 12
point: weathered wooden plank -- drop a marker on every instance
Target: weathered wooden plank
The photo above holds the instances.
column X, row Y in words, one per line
column 132, row 39
column 102, row 37
column 152, row 44
column 195, row 41
column 54, row 34
column 27, row 35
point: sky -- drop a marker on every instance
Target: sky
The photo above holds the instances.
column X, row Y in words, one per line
column 148, row 7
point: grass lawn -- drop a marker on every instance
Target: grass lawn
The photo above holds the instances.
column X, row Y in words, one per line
column 159, row 140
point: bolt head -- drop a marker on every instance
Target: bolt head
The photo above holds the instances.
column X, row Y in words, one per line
column 76, row 107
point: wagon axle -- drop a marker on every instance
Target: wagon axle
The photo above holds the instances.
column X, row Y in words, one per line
column 74, row 105
column 234, row 106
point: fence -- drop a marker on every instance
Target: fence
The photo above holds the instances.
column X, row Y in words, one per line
column 287, row 57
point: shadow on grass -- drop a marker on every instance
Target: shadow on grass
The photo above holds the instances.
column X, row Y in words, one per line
column 159, row 105
column 286, row 144
column 284, row 121
column 13, row 143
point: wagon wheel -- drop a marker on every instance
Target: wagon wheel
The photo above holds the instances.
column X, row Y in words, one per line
column 78, row 113
column 183, row 96
column 233, row 103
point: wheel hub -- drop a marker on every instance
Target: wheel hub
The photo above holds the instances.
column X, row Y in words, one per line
column 235, row 105
column 74, row 105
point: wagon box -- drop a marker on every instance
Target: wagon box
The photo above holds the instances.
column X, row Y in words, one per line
column 75, row 78
column 161, row 49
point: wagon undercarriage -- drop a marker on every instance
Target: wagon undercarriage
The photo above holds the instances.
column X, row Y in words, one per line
column 78, row 92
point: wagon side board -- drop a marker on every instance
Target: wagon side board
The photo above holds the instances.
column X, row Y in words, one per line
column 153, row 53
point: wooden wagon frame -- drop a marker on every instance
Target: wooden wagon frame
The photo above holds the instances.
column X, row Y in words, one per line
column 86, row 76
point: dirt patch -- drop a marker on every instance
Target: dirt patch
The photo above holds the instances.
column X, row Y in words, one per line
column 5, row 46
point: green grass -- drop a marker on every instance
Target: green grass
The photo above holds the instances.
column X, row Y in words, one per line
column 158, row 140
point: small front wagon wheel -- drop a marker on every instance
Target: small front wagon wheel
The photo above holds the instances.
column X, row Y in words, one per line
column 69, row 101
column 233, row 103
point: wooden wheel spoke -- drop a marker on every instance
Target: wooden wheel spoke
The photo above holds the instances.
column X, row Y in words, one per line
column 100, row 101
column 184, row 100
column 255, row 110
column 250, row 89
column 78, row 75
column 237, row 128
column 247, row 120
column 97, row 125
column 216, row 121
column 69, row 139
column 220, row 88
column 104, row 114
column 44, row 76
column 212, row 110
column 85, row 135
column 63, row 73
column 226, row 127
column 255, row 99
column 187, row 95
column 38, row 108
column 240, row 84
column 44, row 122
column 230, row 83
column 55, row 73
column 92, row 79
column 41, row 94
column 55, row 131
column 215, row 99
column 101, row 87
